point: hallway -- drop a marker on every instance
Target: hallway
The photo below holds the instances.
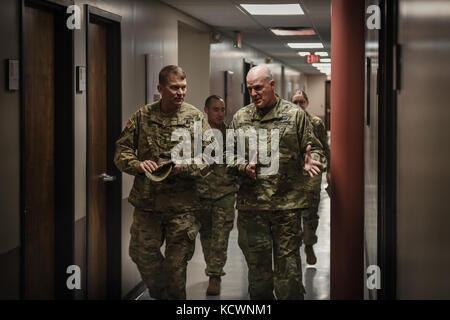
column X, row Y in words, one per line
column 77, row 73
column 316, row 279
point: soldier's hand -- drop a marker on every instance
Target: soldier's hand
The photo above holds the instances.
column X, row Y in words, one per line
column 148, row 165
column 250, row 169
column 311, row 166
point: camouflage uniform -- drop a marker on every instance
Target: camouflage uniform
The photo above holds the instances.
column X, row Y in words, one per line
column 217, row 196
column 270, row 206
column 310, row 215
column 163, row 210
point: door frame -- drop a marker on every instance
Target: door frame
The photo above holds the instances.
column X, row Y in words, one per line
column 327, row 118
column 64, row 144
column 114, row 118
column 387, row 152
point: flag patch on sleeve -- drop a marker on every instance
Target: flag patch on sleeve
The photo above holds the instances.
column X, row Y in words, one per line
column 129, row 123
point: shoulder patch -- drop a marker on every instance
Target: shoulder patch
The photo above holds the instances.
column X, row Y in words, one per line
column 129, row 123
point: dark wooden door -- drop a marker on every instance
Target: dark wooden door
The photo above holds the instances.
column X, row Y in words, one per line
column 38, row 158
column 97, row 148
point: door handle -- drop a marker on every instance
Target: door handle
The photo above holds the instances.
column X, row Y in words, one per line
column 107, row 177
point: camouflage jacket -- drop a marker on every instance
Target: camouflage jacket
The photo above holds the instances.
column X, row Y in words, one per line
column 321, row 134
column 219, row 182
column 147, row 135
column 282, row 190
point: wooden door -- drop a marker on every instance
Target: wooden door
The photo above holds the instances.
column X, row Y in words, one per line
column 97, row 148
column 38, row 157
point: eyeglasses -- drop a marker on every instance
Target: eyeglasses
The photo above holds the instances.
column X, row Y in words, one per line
column 300, row 102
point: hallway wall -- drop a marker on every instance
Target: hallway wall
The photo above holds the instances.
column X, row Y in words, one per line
column 148, row 28
column 316, row 94
column 193, row 57
column 423, row 240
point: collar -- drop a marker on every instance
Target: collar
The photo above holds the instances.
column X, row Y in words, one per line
column 165, row 118
column 272, row 114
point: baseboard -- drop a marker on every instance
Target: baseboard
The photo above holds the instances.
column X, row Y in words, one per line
column 136, row 291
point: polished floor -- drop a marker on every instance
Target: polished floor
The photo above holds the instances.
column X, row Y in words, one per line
column 316, row 279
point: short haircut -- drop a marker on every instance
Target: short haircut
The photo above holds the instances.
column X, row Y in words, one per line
column 210, row 98
column 167, row 71
column 302, row 93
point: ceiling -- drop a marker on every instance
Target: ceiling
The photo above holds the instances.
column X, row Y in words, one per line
column 226, row 17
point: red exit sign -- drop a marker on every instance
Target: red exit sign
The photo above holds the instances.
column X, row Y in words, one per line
column 312, row 58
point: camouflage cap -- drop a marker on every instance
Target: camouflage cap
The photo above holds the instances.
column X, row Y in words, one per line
column 162, row 172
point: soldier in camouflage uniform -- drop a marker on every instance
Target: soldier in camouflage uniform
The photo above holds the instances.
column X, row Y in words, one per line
column 269, row 204
column 217, row 195
column 312, row 186
column 163, row 210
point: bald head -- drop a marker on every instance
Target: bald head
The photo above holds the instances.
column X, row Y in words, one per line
column 261, row 86
column 260, row 72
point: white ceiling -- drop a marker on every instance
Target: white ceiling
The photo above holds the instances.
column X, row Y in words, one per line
column 226, row 17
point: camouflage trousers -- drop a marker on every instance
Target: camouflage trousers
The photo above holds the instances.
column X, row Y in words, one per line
column 310, row 220
column 165, row 276
column 216, row 218
column 264, row 233
column 242, row 233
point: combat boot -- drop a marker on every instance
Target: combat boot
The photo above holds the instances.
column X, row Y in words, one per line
column 310, row 256
column 214, row 286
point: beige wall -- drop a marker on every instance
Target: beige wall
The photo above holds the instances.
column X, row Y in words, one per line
column 315, row 88
column 294, row 81
column 193, row 57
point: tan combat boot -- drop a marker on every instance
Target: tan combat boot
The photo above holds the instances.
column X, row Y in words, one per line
column 310, row 256
column 214, row 286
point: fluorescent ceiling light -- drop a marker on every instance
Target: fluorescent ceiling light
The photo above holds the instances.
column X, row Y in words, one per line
column 299, row 32
column 321, row 65
column 325, row 60
column 304, row 45
column 304, row 53
column 321, row 53
column 273, row 9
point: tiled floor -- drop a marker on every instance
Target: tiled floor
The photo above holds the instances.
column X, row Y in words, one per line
column 316, row 279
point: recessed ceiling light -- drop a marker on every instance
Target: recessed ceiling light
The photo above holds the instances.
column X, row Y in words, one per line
column 293, row 31
column 321, row 53
column 304, row 45
column 325, row 60
column 273, row 9
column 328, row 65
column 304, row 53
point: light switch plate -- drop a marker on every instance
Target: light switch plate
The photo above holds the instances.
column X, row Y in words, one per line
column 13, row 75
